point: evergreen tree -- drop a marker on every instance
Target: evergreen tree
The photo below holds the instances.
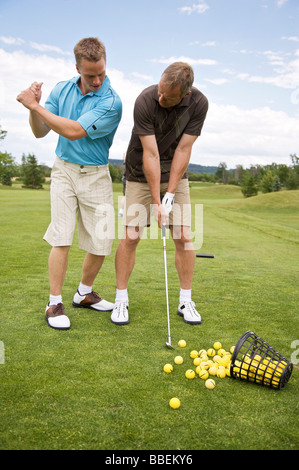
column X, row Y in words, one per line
column 276, row 185
column 33, row 176
column 267, row 182
column 248, row 186
column 6, row 168
column 6, row 164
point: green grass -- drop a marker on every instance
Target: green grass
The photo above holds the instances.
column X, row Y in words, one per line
column 99, row 386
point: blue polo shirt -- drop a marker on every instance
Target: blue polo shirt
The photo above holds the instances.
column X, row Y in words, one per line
column 98, row 113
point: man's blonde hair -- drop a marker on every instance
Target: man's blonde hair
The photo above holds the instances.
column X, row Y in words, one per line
column 91, row 49
column 179, row 74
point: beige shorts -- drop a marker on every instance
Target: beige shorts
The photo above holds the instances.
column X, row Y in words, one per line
column 138, row 205
column 87, row 192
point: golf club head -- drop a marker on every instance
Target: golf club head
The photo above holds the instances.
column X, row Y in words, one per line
column 169, row 346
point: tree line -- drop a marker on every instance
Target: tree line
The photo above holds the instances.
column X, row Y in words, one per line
column 257, row 178
column 264, row 178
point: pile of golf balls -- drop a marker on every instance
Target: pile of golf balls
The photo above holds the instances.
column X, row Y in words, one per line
column 207, row 364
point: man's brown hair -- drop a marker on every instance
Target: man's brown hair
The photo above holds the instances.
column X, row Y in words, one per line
column 179, row 74
column 91, row 49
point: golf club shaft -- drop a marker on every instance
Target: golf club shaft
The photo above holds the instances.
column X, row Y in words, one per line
column 166, row 281
column 204, row 256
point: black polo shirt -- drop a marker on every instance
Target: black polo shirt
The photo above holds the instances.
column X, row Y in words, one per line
column 168, row 125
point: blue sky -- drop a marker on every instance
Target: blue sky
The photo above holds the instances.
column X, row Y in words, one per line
column 245, row 55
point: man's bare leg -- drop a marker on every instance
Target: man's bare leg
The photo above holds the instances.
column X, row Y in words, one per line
column 91, row 267
column 58, row 261
column 184, row 258
column 125, row 256
column 124, row 265
column 184, row 262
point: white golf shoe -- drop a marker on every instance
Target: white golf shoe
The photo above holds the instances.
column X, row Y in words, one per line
column 56, row 318
column 120, row 313
column 92, row 301
column 189, row 312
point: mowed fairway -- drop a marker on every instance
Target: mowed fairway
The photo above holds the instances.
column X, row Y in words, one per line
column 101, row 386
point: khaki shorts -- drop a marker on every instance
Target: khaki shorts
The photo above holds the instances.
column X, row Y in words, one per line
column 138, row 205
column 87, row 192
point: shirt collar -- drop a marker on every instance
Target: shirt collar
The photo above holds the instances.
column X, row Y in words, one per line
column 100, row 92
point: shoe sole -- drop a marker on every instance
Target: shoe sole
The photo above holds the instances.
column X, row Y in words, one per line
column 120, row 322
column 54, row 327
column 189, row 322
column 90, row 307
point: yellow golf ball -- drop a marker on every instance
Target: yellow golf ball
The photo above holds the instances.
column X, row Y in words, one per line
column 223, row 361
column 190, row 374
column 203, row 374
column 217, row 345
column 213, row 370
column 168, row 368
column 197, row 361
column 204, row 365
column 210, row 384
column 182, row 343
column 178, row 360
column 193, row 354
column 216, row 358
column 211, row 352
column 174, row 403
column 221, row 372
column 232, row 349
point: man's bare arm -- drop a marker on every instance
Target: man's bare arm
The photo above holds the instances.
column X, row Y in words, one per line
column 39, row 116
column 151, row 165
column 180, row 161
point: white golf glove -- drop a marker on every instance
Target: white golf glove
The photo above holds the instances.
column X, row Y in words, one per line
column 167, row 202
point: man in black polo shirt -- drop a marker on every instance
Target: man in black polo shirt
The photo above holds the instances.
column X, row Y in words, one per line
column 168, row 118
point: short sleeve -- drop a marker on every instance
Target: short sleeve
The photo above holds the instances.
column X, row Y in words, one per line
column 102, row 120
column 143, row 117
column 197, row 120
column 52, row 102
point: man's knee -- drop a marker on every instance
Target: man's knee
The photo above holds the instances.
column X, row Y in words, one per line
column 132, row 235
column 181, row 234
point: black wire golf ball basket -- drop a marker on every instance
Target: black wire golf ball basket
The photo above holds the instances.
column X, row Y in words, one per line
column 255, row 361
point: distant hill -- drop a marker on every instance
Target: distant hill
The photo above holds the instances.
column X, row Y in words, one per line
column 193, row 168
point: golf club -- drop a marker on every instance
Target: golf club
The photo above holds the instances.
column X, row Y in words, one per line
column 168, row 344
column 204, row 256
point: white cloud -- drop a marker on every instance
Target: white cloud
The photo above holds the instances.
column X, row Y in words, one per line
column 291, row 38
column 209, row 44
column 280, row 3
column 48, row 48
column 199, row 7
column 12, row 41
column 238, row 136
column 286, row 77
column 204, row 44
column 189, row 60
column 147, row 78
column 217, row 81
column 285, row 72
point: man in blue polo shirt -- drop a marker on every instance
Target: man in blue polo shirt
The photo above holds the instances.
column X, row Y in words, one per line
column 85, row 112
